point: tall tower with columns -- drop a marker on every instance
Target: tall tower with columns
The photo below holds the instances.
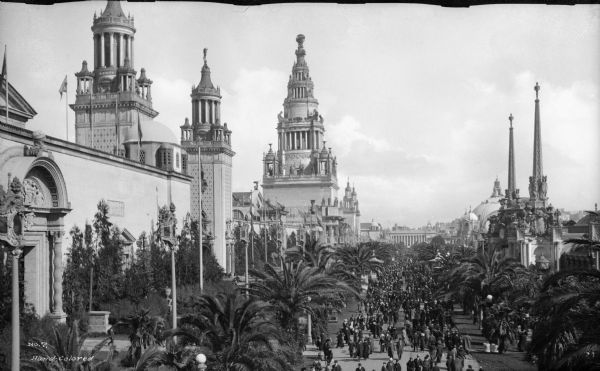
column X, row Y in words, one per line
column 110, row 99
column 302, row 168
column 209, row 158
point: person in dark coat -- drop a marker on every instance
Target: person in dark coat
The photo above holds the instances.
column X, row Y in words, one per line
column 351, row 348
column 365, row 349
column 390, row 349
column 340, row 339
column 400, row 347
column 397, row 365
column 390, row 365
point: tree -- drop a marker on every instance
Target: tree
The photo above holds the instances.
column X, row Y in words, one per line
column 145, row 331
column 237, row 332
column 76, row 275
column 297, row 290
column 567, row 334
column 359, row 259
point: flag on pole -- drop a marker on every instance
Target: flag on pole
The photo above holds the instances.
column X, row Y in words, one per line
column 63, row 87
column 5, row 78
column 4, row 74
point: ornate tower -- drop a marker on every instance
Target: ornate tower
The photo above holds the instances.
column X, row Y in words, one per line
column 538, row 186
column 302, row 168
column 109, row 99
column 209, row 154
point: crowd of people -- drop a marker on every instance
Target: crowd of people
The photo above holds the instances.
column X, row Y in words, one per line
column 397, row 313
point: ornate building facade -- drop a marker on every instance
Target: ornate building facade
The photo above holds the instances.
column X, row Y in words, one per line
column 528, row 228
column 302, row 172
column 207, row 143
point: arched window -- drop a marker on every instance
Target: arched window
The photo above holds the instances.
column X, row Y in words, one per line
column 142, row 156
column 177, row 160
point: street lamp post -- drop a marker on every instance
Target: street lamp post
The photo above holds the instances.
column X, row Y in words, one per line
column 201, row 359
column 168, row 236
column 309, row 325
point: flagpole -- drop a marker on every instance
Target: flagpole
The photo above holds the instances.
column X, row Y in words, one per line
column 6, row 81
column 67, row 109
column 118, row 123
column 90, row 88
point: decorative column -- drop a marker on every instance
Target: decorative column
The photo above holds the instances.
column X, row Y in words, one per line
column 16, row 344
column 131, row 51
column 57, row 275
column 111, row 49
column 102, row 61
column 121, row 57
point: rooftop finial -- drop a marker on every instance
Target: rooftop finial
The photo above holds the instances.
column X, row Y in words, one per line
column 300, row 40
column 205, row 51
column 537, row 90
column 510, row 118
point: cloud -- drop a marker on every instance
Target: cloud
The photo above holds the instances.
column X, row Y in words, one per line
column 250, row 108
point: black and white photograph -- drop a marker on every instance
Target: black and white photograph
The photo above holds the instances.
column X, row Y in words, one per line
column 299, row 186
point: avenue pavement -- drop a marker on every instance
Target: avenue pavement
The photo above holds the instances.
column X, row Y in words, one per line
column 376, row 359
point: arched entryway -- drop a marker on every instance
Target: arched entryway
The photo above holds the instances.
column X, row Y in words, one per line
column 42, row 260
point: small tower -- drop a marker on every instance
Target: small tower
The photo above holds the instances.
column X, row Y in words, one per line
column 111, row 89
column 209, row 155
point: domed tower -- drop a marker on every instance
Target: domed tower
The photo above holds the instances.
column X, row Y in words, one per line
column 302, row 168
column 208, row 146
column 109, row 99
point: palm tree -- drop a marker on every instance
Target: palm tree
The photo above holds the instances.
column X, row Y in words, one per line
column 235, row 332
column 360, row 259
column 144, row 331
column 63, row 352
column 567, row 335
column 488, row 272
column 298, row 290
column 314, row 254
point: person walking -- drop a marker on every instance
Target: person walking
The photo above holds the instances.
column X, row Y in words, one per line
column 400, row 347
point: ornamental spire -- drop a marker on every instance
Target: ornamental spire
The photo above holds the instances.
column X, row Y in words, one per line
column 300, row 52
column 511, row 159
column 205, row 81
column 538, row 186
column 537, row 138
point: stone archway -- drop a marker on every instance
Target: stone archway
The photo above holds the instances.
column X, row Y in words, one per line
column 46, row 196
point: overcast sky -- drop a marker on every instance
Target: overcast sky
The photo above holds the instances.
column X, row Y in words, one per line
column 415, row 98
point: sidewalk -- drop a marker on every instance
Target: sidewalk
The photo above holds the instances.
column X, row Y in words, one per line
column 510, row 360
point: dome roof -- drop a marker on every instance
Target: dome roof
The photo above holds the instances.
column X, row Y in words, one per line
column 152, row 131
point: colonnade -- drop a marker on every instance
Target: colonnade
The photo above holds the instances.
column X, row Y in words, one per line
column 111, row 49
column 299, row 139
column 409, row 239
column 206, row 110
column 299, row 92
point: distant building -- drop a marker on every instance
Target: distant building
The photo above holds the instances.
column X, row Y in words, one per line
column 409, row 236
column 371, row 232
